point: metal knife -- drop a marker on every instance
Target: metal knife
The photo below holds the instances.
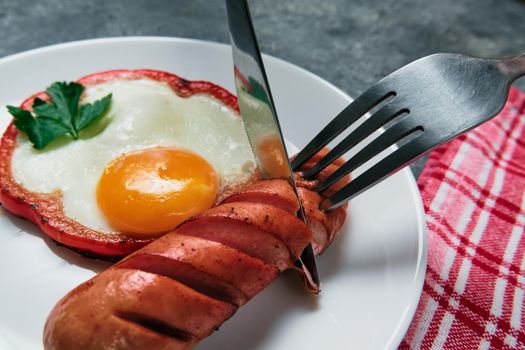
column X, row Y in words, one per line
column 260, row 117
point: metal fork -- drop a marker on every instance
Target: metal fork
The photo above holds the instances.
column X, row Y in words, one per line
column 425, row 104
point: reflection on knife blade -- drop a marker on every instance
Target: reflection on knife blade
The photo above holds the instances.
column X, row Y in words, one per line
column 261, row 128
column 260, row 117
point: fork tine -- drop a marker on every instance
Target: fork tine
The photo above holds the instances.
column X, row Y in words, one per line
column 376, row 146
column 389, row 165
column 373, row 123
column 368, row 100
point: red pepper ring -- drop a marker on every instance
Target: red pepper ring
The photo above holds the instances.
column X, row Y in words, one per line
column 46, row 209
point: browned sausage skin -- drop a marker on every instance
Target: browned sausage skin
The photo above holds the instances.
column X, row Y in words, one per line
column 177, row 290
column 324, row 225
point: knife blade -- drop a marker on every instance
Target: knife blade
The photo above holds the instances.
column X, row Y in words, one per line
column 260, row 117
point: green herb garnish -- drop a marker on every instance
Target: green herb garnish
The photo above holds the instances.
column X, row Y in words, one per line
column 62, row 116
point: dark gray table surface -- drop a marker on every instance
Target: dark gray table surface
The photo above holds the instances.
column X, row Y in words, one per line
column 351, row 43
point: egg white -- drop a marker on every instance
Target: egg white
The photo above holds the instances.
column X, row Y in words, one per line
column 144, row 113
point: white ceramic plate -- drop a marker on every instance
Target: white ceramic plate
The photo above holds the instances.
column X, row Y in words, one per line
column 372, row 275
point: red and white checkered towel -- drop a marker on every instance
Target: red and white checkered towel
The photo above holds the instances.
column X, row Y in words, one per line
column 473, row 191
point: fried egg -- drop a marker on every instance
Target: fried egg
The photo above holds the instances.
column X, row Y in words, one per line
column 153, row 160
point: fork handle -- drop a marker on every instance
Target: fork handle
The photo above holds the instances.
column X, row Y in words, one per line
column 514, row 67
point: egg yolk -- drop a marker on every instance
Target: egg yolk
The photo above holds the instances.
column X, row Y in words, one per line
column 148, row 192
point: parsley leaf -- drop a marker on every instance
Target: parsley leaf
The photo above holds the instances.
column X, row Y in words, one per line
column 39, row 130
column 61, row 116
column 92, row 111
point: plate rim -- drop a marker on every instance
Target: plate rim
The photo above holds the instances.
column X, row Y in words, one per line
column 421, row 264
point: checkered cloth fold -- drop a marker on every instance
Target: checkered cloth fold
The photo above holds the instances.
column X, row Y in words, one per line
column 473, row 191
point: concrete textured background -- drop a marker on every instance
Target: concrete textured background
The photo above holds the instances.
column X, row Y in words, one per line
column 351, row 43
